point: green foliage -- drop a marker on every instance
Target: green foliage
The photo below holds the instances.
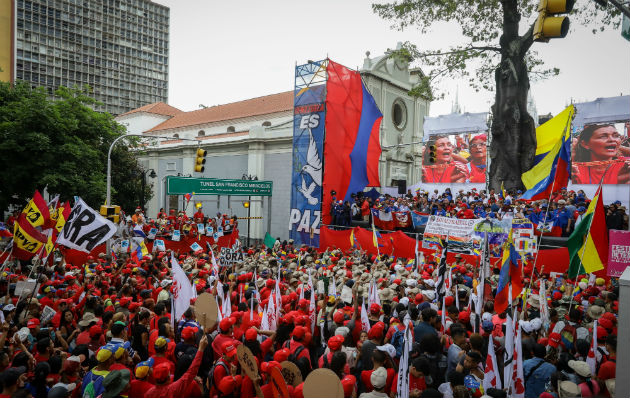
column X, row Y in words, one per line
column 481, row 23
column 61, row 145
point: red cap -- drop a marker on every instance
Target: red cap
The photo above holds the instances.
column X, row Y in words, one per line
column 554, row 339
column 335, row 342
column 606, row 323
column 299, row 332
column 161, row 372
column 376, row 332
column 375, row 308
column 449, row 300
column 464, row 316
column 339, row 317
column 189, row 332
column 602, row 333
column 227, row 384
column 251, row 334
column 95, row 330
column 226, row 324
column 270, row 282
column 229, row 349
column 282, row 355
column 303, row 303
column 32, row 323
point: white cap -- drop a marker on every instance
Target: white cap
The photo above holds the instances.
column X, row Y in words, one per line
column 379, row 378
column 430, row 282
column 388, row 348
column 405, row 301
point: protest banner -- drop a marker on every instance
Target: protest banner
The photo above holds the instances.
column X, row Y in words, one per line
column 248, row 362
column 195, row 247
column 229, row 256
column 24, row 288
column 459, row 232
column 158, row 245
column 291, row 373
column 322, row 382
column 85, row 228
column 152, row 233
column 618, row 252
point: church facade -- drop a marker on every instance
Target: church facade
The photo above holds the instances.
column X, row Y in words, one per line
column 252, row 139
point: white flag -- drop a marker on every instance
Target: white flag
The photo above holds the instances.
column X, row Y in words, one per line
column 365, row 321
column 509, row 352
column 332, row 288
column 491, row 378
column 182, row 289
column 85, row 228
column 271, row 314
column 518, row 379
column 402, row 383
column 312, row 307
column 591, row 360
column 227, row 306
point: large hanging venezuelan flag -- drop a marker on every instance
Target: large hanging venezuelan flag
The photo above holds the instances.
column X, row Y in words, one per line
column 588, row 244
column 352, row 146
column 553, row 157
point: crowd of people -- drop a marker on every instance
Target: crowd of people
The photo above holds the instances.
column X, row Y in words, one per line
column 112, row 333
column 564, row 211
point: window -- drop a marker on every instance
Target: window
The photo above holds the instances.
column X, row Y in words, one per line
column 399, row 114
column 266, row 123
column 231, row 129
column 170, row 166
column 201, row 133
column 176, row 136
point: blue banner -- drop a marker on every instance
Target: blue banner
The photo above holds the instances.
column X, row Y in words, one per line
column 419, row 219
column 308, row 152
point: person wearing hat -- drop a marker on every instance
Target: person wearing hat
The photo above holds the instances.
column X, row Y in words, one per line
column 568, row 389
column 588, row 387
column 380, row 360
column 116, row 382
column 140, row 385
column 224, row 366
column 226, row 335
column 163, row 385
column 161, row 357
column 297, row 346
column 92, row 385
column 608, row 368
column 378, row 379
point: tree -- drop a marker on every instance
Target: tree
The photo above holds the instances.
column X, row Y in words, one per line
column 495, row 57
column 61, row 145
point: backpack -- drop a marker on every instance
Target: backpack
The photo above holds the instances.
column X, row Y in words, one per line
column 398, row 340
column 211, row 373
column 95, row 387
column 568, row 336
column 294, row 356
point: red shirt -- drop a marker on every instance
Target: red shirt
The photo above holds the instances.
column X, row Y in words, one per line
column 390, row 384
column 139, row 388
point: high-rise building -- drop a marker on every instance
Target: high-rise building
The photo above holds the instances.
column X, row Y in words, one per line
column 117, row 47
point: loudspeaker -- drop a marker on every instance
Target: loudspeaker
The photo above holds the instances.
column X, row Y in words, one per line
column 402, row 186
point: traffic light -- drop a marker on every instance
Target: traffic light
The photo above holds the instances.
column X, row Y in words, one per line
column 548, row 24
column 112, row 213
column 200, row 160
column 432, row 156
column 246, row 204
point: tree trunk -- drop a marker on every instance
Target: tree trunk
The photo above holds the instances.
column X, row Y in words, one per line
column 513, row 134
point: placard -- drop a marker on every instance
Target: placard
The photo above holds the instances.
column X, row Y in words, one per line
column 248, row 362
column 229, row 256
column 209, row 230
column 346, row 294
column 158, row 245
column 47, row 314
column 196, row 247
column 322, row 382
column 124, row 246
column 291, row 373
column 152, row 233
column 23, row 287
column 206, row 310
column 618, row 252
column 278, row 385
column 176, row 235
column 459, row 233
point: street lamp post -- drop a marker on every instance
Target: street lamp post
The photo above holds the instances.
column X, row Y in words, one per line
column 152, row 175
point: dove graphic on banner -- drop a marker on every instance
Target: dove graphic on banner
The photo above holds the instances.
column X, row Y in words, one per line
column 313, row 166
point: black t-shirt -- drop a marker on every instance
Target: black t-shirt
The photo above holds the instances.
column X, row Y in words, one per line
column 136, row 344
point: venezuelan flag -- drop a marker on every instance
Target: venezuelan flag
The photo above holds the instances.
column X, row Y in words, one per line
column 588, row 244
column 510, row 275
column 141, row 250
column 552, row 163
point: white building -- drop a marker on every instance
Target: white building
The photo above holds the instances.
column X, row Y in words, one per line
column 254, row 137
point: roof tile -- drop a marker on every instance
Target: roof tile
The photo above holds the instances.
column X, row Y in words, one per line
column 156, row 108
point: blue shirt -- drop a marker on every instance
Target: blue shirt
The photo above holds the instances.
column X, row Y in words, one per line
column 535, row 385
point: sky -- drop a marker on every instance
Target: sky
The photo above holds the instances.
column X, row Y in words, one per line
column 226, row 51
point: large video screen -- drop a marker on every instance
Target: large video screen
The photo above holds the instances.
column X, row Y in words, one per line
column 457, row 158
column 601, row 152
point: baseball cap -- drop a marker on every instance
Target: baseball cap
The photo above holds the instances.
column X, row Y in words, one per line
column 189, row 332
column 161, row 372
column 379, row 378
column 160, row 342
column 251, row 334
column 282, row 355
column 299, row 332
column 229, row 349
column 226, row 324
column 554, row 339
column 143, row 368
column 105, row 352
column 95, row 330
column 375, row 308
column 32, row 323
column 335, row 342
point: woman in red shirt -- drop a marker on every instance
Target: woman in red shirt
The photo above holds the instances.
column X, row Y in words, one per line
column 599, row 156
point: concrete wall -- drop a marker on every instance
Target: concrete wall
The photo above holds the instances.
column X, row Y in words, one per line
column 278, row 169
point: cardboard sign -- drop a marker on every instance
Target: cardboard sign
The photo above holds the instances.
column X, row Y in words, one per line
column 322, row 382
column 124, row 246
column 291, row 373
column 158, row 245
column 26, row 287
column 229, row 256
column 209, row 230
column 176, row 235
column 152, row 233
column 196, row 247
column 278, row 385
column 248, row 361
column 346, row 294
column 206, row 309
column 47, row 314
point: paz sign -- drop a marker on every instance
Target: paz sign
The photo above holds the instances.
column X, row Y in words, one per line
column 178, row 185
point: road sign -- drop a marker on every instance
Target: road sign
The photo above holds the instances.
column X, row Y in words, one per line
column 178, row 185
